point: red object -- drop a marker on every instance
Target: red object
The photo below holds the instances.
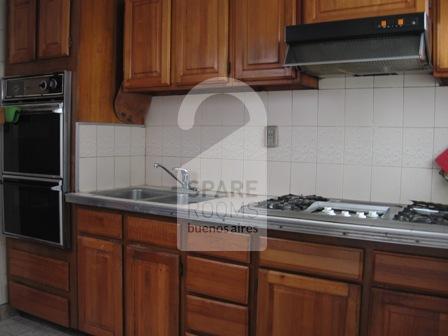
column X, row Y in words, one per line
column 442, row 161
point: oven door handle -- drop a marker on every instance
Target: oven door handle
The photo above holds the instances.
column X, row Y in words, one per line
column 41, row 107
column 26, row 178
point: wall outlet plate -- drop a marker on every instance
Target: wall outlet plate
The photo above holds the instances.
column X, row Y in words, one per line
column 271, row 136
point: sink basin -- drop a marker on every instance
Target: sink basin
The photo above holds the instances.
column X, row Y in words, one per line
column 191, row 199
column 135, row 194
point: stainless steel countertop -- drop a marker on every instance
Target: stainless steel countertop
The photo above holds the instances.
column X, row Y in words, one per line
column 387, row 231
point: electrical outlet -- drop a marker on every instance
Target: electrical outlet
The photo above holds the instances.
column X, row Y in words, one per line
column 271, row 136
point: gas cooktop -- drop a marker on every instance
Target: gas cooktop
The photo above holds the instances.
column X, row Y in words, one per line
column 423, row 212
column 294, row 205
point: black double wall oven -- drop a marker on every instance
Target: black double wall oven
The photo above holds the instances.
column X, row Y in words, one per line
column 36, row 146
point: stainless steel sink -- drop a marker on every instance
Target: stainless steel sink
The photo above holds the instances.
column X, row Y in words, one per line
column 168, row 196
column 135, row 194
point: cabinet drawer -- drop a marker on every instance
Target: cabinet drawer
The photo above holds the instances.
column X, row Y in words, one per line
column 226, row 245
column 218, row 279
column 41, row 270
column 413, row 272
column 216, row 318
column 99, row 223
column 41, row 304
column 341, row 262
column 154, row 231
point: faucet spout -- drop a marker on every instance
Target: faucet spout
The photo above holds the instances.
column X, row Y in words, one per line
column 185, row 177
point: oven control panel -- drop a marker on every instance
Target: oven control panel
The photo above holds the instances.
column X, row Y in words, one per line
column 44, row 86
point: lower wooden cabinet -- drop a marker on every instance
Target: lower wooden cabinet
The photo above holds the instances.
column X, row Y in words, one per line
column 402, row 314
column 100, row 294
column 152, row 292
column 292, row 304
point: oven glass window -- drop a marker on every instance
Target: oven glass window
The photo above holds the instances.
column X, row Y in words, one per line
column 32, row 209
column 32, row 145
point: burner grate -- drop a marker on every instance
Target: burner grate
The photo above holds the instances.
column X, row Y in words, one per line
column 424, row 212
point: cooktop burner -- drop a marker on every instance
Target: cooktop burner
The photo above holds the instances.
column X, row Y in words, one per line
column 290, row 202
column 423, row 212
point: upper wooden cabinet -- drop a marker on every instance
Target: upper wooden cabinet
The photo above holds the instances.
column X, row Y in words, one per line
column 288, row 303
column 331, row 10
column 396, row 313
column 22, row 31
column 200, row 40
column 147, row 43
column 54, row 28
column 259, row 39
column 440, row 19
column 46, row 20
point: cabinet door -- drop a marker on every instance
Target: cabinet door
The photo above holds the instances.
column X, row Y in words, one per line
column 147, row 44
column 440, row 37
column 22, row 31
column 288, row 304
column 330, row 10
column 259, row 39
column 400, row 314
column 152, row 293
column 54, row 28
column 100, row 287
column 200, row 40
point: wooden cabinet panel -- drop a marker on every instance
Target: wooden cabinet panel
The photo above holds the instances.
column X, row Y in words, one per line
column 218, row 279
column 154, row 231
column 43, row 305
column 100, row 296
column 147, row 43
column 413, row 272
column 440, row 32
column 38, row 269
column 22, row 31
column 330, row 10
column 99, row 223
column 400, row 314
column 200, row 40
column 54, row 28
column 259, row 39
column 318, row 259
column 288, row 303
column 216, row 318
column 152, row 293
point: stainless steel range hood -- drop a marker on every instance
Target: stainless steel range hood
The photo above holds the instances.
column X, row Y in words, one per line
column 371, row 46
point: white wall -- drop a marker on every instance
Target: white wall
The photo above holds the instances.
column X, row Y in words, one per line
column 3, row 290
column 355, row 138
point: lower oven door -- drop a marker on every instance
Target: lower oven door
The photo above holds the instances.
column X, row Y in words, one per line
column 34, row 209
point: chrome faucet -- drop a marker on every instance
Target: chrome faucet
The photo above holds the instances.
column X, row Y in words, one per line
column 185, row 180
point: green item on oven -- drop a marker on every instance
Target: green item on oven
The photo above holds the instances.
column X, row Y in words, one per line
column 12, row 114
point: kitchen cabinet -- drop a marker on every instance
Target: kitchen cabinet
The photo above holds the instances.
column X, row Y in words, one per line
column 333, row 10
column 147, row 44
column 440, row 31
column 396, row 314
column 54, row 28
column 152, row 292
column 46, row 20
column 22, row 30
column 290, row 303
column 200, row 41
column 100, row 293
column 259, row 39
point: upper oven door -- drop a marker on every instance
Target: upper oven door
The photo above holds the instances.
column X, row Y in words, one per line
column 33, row 146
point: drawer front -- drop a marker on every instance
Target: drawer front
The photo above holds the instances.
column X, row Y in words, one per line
column 413, row 272
column 38, row 269
column 216, row 318
column 218, row 279
column 153, row 231
column 226, row 245
column 341, row 262
column 100, row 223
column 41, row 304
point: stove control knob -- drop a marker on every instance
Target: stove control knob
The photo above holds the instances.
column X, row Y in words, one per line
column 328, row 209
column 346, row 213
column 331, row 213
column 373, row 214
column 361, row 215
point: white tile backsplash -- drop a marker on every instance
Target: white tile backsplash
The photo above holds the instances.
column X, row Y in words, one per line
column 359, row 138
